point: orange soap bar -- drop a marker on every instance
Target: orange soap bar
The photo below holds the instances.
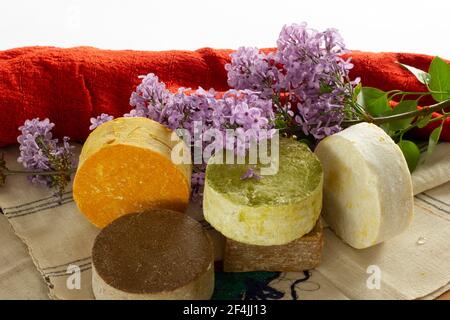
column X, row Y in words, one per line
column 126, row 166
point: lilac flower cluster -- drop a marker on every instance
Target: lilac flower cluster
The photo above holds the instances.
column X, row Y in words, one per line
column 202, row 113
column 243, row 109
column 251, row 118
column 306, row 72
column 95, row 122
column 41, row 153
column 151, row 92
column 254, row 70
column 31, row 154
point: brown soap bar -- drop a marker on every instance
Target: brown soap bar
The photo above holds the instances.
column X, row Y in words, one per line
column 158, row 254
column 298, row 255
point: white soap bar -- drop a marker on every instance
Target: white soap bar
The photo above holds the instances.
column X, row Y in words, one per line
column 368, row 195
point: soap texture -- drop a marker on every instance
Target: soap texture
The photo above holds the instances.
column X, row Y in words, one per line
column 274, row 210
column 298, row 255
column 158, row 254
column 368, row 195
column 125, row 166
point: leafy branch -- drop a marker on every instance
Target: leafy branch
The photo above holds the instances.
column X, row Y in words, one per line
column 405, row 116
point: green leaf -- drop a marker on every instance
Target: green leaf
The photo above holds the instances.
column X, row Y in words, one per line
column 423, row 121
column 421, row 75
column 411, row 152
column 434, row 139
column 403, row 107
column 374, row 101
column 325, row 88
column 440, row 79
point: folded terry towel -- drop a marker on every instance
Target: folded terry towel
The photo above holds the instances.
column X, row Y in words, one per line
column 71, row 85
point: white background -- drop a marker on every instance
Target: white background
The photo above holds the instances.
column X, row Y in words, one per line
column 381, row 25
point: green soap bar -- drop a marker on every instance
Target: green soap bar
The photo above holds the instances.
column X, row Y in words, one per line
column 299, row 174
column 277, row 208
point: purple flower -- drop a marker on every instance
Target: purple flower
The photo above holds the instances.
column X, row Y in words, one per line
column 307, row 71
column 250, row 174
column 243, row 109
column 316, row 77
column 32, row 156
column 40, row 152
column 151, row 92
column 254, row 70
column 249, row 115
column 95, row 122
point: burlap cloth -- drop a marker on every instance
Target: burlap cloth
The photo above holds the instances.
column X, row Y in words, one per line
column 413, row 265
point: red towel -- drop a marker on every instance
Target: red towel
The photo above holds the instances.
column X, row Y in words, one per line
column 71, row 85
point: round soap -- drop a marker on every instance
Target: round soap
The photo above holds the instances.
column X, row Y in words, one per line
column 368, row 195
column 274, row 210
column 125, row 166
column 154, row 255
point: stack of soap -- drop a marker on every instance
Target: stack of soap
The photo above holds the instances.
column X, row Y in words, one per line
column 159, row 254
column 266, row 216
column 126, row 166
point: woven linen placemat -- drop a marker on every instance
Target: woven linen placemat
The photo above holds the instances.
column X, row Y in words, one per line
column 58, row 238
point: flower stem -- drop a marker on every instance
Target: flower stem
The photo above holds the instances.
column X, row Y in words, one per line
column 424, row 111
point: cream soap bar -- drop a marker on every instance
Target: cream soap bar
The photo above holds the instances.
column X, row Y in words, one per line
column 274, row 210
column 368, row 194
column 155, row 255
column 125, row 166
